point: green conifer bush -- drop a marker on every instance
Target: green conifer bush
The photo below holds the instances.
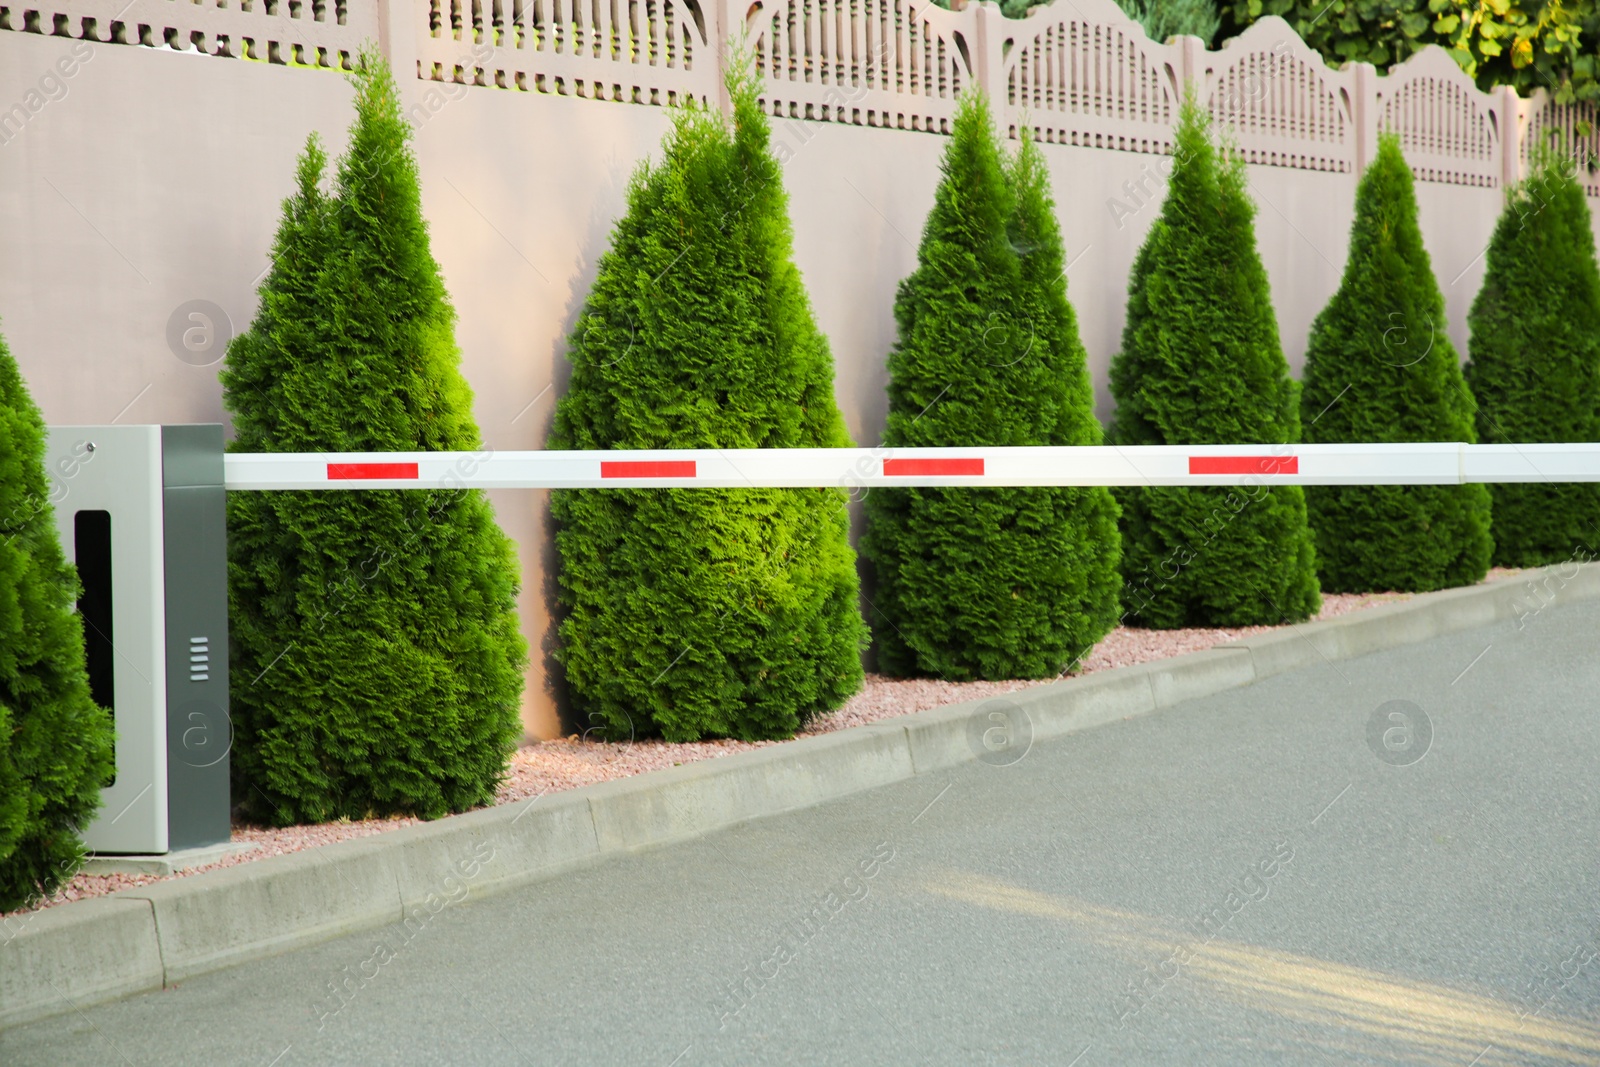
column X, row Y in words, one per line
column 1201, row 364
column 1005, row 582
column 697, row 612
column 1380, row 368
column 55, row 743
column 377, row 660
column 1535, row 369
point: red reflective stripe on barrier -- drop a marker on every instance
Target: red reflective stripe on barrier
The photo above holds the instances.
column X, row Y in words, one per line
column 663, row 468
column 352, row 471
column 912, row 468
column 1244, row 464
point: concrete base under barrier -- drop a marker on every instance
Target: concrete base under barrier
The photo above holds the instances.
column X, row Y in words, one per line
column 167, row 862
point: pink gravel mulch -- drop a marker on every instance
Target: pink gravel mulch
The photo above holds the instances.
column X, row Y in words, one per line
column 568, row 763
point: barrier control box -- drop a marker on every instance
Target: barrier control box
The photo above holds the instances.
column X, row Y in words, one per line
column 140, row 511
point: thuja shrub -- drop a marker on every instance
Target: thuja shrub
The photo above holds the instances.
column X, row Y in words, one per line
column 55, row 742
column 1380, row 368
column 1201, row 363
column 1006, row 582
column 696, row 613
column 1535, row 370
column 377, row 661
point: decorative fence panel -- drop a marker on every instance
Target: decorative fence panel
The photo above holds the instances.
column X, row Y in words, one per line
column 321, row 33
column 1082, row 74
column 893, row 63
column 1285, row 107
column 1567, row 129
column 1450, row 132
column 630, row 51
column 1078, row 72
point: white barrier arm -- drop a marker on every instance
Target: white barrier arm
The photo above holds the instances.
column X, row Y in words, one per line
column 1341, row 464
column 1531, row 463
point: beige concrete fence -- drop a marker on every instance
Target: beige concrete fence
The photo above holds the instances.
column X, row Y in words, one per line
column 145, row 147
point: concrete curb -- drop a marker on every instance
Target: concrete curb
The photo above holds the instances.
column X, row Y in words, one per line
column 91, row 951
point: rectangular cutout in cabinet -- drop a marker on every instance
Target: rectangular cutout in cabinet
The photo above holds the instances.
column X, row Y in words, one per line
column 92, row 550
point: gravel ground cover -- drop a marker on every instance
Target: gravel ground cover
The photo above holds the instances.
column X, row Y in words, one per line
column 570, row 762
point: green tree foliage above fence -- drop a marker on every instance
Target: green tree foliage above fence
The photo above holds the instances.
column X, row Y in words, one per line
column 1380, row 368
column 698, row 612
column 1162, row 19
column 1535, row 367
column 55, row 743
column 1201, row 363
column 377, row 663
column 1529, row 44
column 989, row 583
column 1011, row 9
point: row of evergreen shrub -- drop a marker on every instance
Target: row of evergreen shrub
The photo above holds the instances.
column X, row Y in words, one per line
column 375, row 648
column 1018, row 583
column 1380, row 368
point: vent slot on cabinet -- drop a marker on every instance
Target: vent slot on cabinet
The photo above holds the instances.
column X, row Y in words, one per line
column 199, row 659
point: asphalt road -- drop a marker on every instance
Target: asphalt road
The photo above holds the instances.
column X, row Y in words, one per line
column 1261, row 877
